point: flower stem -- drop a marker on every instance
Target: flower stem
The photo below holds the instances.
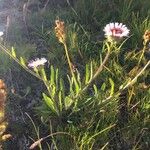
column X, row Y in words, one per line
column 135, row 78
column 68, row 59
column 143, row 50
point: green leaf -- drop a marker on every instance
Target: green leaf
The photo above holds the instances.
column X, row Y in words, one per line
column 36, row 71
column 52, row 75
column 103, row 87
column 53, row 91
column 56, row 78
column 13, row 52
column 68, row 102
column 79, row 79
column 60, row 100
column 49, row 102
column 62, row 89
column 77, row 87
column 112, row 86
column 91, row 71
column 61, row 85
column 87, row 75
column 70, row 84
column 95, row 90
column 22, row 61
column 43, row 74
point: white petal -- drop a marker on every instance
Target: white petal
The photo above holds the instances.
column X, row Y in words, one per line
column 116, row 25
column 123, row 26
column 112, row 25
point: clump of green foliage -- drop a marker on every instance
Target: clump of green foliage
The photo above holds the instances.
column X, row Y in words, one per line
column 98, row 92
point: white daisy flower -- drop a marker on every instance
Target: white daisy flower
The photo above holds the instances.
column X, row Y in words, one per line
column 37, row 62
column 116, row 31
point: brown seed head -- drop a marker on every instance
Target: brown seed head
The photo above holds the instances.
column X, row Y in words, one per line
column 3, row 123
column 146, row 36
column 6, row 136
column 60, row 31
column 2, row 84
column 2, row 94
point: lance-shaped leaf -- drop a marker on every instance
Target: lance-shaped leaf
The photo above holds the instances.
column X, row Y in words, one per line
column 53, row 91
column 95, row 90
column 68, row 102
column 43, row 74
column 60, row 101
column 62, row 89
column 52, row 76
column 79, row 79
column 77, row 87
column 103, row 87
column 49, row 102
column 22, row 61
column 87, row 74
column 13, row 52
column 112, row 86
column 70, row 84
column 56, row 78
column 91, row 71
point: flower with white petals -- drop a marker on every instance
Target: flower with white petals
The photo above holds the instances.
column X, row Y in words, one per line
column 114, row 32
column 37, row 62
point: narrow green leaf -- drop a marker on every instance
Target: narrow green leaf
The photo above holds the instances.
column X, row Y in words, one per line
column 95, row 90
column 62, row 89
column 79, row 79
column 77, row 87
column 61, row 85
column 36, row 71
column 112, row 86
column 53, row 92
column 56, row 78
column 13, row 52
column 60, row 101
column 87, row 75
column 52, row 75
column 70, row 84
column 91, row 70
column 68, row 102
column 43, row 74
column 49, row 102
column 22, row 61
column 103, row 87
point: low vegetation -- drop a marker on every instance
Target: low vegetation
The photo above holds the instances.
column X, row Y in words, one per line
column 87, row 65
